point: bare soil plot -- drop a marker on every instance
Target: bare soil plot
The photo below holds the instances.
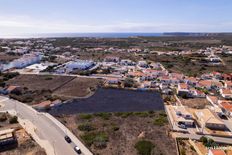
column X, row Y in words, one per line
column 79, row 87
column 198, row 103
column 40, row 82
column 118, row 133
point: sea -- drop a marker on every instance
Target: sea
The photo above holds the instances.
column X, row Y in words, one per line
column 74, row 35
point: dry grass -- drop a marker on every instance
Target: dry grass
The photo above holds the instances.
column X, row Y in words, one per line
column 79, row 87
column 40, row 82
column 7, row 58
column 198, row 103
column 123, row 130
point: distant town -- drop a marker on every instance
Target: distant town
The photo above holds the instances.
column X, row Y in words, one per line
column 136, row 95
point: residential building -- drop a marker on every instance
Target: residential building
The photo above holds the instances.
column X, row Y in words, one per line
column 206, row 118
column 216, row 152
column 79, row 64
column 228, row 84
column 111, row 59
column 226, row 107
column 226, row 93
column 183, row 89
column 181, row 116
column 7, row 139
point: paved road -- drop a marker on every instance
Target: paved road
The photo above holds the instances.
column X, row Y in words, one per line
column 197, row 137
column 45, row 127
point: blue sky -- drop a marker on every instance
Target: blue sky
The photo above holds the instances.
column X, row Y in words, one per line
column 50, row 16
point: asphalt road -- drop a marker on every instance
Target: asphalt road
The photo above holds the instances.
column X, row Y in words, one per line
column 45, row 128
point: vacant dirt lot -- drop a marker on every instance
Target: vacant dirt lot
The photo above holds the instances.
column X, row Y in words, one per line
column 40, row 82
column 79, row 87
column 198, row 103
column 7, row 58
column 117, row 133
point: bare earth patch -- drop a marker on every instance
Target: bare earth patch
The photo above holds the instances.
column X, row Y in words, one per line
column 198, row 103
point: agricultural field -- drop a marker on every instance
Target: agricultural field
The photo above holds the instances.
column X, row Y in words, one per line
column 128, row 133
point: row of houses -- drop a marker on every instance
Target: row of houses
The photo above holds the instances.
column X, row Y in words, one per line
column 24, row 61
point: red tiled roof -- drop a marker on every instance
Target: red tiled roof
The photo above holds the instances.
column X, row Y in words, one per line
column 217, row 152
column 226, row 91
column 183, row 86
column 227, row 106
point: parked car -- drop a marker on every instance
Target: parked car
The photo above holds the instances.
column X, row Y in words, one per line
column 67, row 139
column 182, row 126
column 77, row 149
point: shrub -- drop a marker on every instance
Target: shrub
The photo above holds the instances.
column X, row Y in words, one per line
column 123, row 114
column 144, row 147
column 98, row 139
column 161, row 120
column 129, row 82
column 13, row 120
column 3, row 117
column 115, row 127
column 85, row 116
column 104, row 115
column 141, row 114
column 86, row 127
column 182, row 152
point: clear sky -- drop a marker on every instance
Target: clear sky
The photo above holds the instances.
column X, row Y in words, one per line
column 50, row 16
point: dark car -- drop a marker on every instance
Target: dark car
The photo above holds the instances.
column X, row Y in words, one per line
column 77, row 149
column 67, row 139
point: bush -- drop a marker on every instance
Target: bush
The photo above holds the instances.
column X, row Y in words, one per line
column 115, row 127
column 161, row 120
column 98, row 139
column 129, row 82
column 13, row 120
column 3, row 117
column 144, row 147
column 10, row 75
column 85, row 116
column 86, row 127
column 141, row 114
column 182, row 152
column 123, row 114
column 103, row 115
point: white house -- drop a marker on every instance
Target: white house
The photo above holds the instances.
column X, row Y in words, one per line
column 226, row 93
column 79, row 64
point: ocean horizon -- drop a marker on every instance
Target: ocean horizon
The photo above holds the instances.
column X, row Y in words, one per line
column 74, row 35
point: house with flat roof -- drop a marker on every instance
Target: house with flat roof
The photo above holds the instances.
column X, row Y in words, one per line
column 206, row 118
column 7, row 139
column 182, row 116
